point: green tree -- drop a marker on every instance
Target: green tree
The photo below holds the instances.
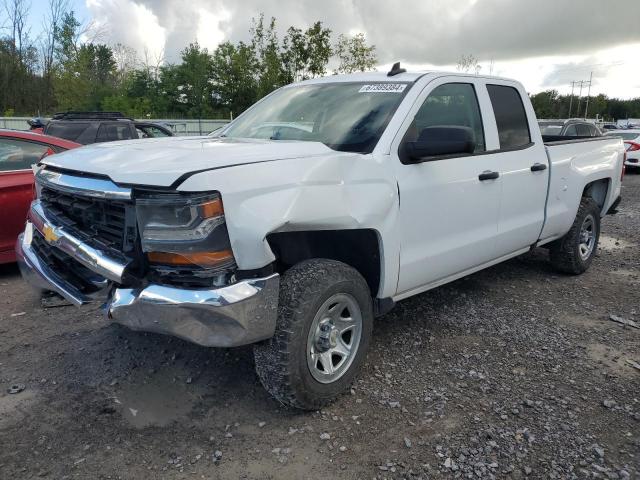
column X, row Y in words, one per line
column 67, row 37
column 306, row 54
column 87, row 77
column 546, row 104
column 193, row 75
column 354, row 54
column 268, row 56
column 234, row 79
column 319, row 49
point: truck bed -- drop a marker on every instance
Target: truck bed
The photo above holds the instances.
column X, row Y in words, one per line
column 575, row 162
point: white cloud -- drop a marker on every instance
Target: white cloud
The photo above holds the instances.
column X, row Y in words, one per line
column 209, row 32
column 130, row 23
column 542, row 43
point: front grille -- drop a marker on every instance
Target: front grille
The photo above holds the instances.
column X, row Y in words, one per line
column 109, row 222
column 64, row 266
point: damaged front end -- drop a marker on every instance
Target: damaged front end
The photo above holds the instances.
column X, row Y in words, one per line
column 161, row 261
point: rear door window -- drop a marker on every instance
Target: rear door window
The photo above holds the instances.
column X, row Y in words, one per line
column 583, row 130
column 511, row 118
column 149, row 131
column 19, row 154
column 67, row 130
column 109, row 132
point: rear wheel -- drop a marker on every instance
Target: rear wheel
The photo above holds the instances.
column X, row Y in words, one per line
column 325, row 319
column 574, row 252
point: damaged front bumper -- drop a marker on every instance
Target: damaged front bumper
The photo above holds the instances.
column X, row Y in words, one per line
column 237, row 314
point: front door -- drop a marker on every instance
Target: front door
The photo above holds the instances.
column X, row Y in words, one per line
column 449, row 205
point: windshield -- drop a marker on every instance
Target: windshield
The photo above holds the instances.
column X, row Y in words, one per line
column 344, row 116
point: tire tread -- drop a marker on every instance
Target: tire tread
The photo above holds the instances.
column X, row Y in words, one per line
column 300, row 287
column 564, row 254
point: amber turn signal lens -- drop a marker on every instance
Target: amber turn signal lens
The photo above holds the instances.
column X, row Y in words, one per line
column 204, row 259
column 212, row 208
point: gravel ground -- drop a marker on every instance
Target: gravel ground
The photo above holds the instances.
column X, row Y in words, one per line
column 514, row 372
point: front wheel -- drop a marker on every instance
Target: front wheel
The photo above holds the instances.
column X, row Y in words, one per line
column 574, row 252
column 325, row 319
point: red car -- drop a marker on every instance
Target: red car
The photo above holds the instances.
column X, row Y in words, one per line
column 18, row 151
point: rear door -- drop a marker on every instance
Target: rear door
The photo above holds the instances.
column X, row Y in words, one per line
column 16, row 189
column 584, row 130
column 113, row 131
column 523, row 167
column 448, row 215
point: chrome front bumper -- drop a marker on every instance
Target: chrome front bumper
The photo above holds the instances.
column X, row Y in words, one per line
column 238, row 314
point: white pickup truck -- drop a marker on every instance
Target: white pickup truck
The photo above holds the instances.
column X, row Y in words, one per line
column 314, row 211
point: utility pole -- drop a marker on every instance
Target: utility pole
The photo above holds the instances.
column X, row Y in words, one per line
column 586, row 109
column 571, row 99
column 579, row 96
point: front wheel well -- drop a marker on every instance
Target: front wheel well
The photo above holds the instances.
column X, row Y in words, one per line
column 358, row 248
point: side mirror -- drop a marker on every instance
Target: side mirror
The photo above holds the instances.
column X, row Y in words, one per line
column 440, row 140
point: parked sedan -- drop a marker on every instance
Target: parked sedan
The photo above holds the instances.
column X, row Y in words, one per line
column 18, row 152
column 631, row 140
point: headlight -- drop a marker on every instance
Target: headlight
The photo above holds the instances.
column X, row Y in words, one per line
column 180, row 229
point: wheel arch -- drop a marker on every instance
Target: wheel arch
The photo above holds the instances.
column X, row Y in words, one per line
column 358, row 248
column 598, row 190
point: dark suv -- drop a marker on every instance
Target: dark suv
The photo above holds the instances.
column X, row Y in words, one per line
column 96, row 127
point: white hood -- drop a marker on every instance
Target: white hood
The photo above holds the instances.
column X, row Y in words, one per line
column 162, row 161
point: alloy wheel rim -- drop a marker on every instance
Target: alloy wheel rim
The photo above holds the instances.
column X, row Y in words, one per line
column 334, row 338
column 587, row 237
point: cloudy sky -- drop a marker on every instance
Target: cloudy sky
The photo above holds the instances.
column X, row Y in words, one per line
column 543, row 43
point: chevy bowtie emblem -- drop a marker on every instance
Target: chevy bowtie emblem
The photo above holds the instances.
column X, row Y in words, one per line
column 49, row 234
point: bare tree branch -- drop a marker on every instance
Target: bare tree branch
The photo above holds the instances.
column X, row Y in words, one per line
column 17, row 13
column 468, row 62
column 50, row 29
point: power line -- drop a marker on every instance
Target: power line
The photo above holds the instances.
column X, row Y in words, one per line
column 582, row 84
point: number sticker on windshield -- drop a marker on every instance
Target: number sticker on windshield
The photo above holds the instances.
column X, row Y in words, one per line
column 383, row 88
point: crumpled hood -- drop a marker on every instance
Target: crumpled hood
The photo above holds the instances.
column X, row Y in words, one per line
column 163, row 161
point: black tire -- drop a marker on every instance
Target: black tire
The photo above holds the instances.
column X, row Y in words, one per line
column 281, row 362
column 565, row 252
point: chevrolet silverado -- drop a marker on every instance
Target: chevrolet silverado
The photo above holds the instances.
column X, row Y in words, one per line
column 318, row 208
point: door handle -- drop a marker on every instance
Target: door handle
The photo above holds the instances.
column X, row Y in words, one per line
column 488, row 175
column 538, row 167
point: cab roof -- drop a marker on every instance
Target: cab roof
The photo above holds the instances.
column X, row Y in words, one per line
column 397, row 78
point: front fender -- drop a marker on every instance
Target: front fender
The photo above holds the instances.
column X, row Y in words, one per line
column 340, row 191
